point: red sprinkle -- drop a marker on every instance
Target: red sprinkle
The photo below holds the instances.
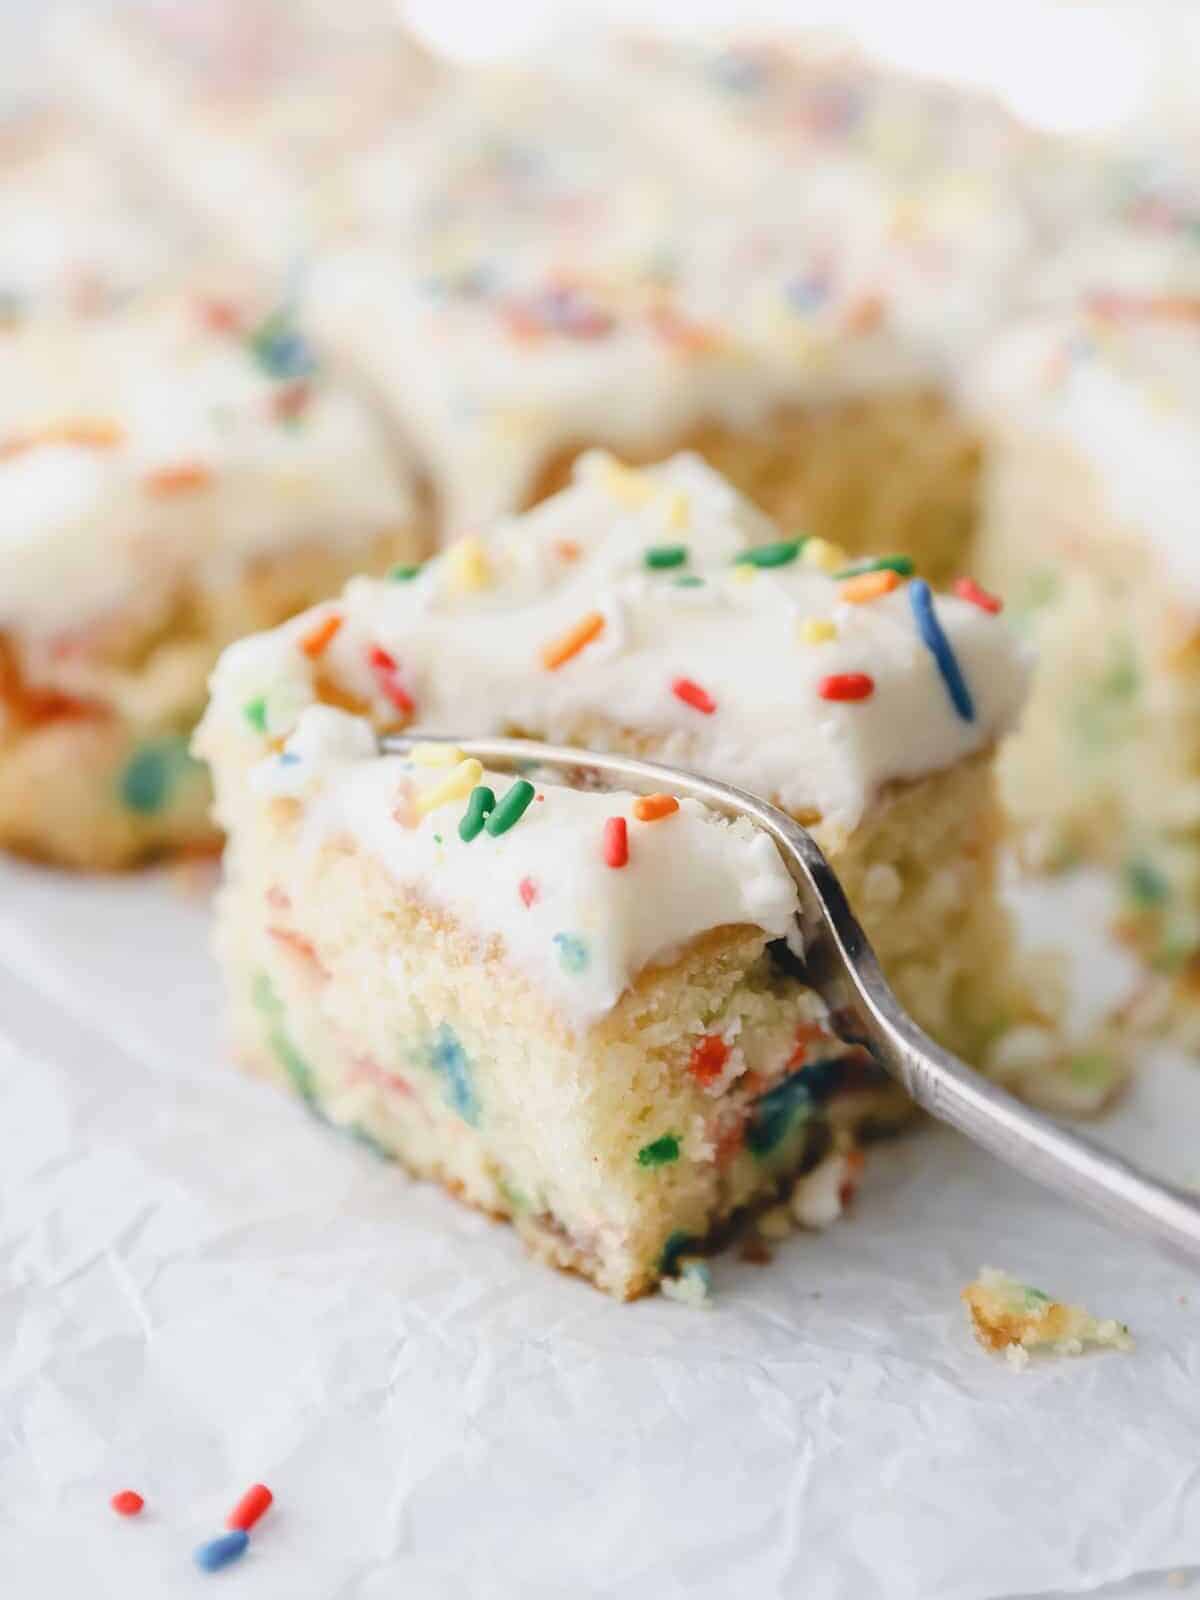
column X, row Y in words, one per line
column 847, row 686
column 708, row 1058
column 968, row 589
column 256, row 1500
column 128, row 1503
column 616, row 842
column 529, row 892
column 693, row 695
column 386, row 672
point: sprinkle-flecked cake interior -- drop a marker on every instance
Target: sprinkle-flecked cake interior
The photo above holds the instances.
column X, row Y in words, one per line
column 576, row 1009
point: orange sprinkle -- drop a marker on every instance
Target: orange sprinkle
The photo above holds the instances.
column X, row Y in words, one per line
column 314, row 643
column 184, row 478
column 868, row 586
column 654, row 807
column 567, row 550
column 89, row 433
column 569, row 644
column 865, row 314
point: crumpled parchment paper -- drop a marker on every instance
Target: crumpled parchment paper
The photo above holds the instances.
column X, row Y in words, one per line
column 202, row 1288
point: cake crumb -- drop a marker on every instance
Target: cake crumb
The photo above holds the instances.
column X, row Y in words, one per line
column 692, row 1285
column 1014, row 1317
column 775, row 1224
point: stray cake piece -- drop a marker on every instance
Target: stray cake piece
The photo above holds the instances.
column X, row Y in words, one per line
column 1010, row 1316
column 393, row 932
column 171, row 477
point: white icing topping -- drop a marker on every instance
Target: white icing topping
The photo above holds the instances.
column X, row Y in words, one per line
column 1122, row 388
column 96, row 452
column 580, row 929
column 552, row 265
column 466, row 640
column 250, row 111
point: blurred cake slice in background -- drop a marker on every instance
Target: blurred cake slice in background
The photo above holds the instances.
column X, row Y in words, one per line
column 1091, row 525
column 79, row 235
column 545, row 267
column 171, row 476
column 247, row 111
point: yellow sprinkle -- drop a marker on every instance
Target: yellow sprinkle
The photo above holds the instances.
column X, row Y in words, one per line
column 628, row 486
column 468, row 563
column 743, row 572
column 436, row 755
column 824, row 556
column 453, row 786
column 817, row 630
column 676, row 511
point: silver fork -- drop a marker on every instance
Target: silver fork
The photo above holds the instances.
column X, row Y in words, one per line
column 842, row 968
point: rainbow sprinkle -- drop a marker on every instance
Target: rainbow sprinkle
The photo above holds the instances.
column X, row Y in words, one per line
column 817, row 630
column 561, row 650
column 218, row 1553
column 572, row 952
column 968, row 589
column 846, row 686
column 935, row 641
column 127, row 1503
column 654, row 807
column 693, row 695
column 659, row 1152
column 780, row 554
column 660, row 557
column 616, row 842
column 869, row 586
column 511, row 809
column 460, row 782
column 480, row 805
column 902, row 566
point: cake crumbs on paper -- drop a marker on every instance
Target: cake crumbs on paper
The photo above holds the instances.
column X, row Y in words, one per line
column 1014, row 1317
column 691, row 1285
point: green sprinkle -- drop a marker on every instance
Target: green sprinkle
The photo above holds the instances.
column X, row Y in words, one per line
column 677, row 1244
column 572, row 952
column 771, row 555
column 437, row 838
column 775, row 1113
column 1034, row 1298
column 659, row 1152
column 511, row 809
column 481, row 801
column 1144, row 883
column 402, row 573
column 903, row 565
column 689, row 581
column 152, row 773
column 255, row 713
column 660, row 556
column 299, row 1071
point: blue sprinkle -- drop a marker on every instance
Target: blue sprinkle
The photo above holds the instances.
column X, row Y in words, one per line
column 449, row 1060
column 776, row 1113
column 921, row 598
column 288, row 758
column 218, row 1553
column 572, row 952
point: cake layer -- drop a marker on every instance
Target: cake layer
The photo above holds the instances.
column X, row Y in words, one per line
column 590, row 1035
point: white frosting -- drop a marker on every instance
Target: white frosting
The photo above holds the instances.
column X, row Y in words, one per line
column 72, row 239
column 582, row 930
column 250, row 111
column 470, row 657
column 1122, row 388
column 552, row 262
column 83, row 524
